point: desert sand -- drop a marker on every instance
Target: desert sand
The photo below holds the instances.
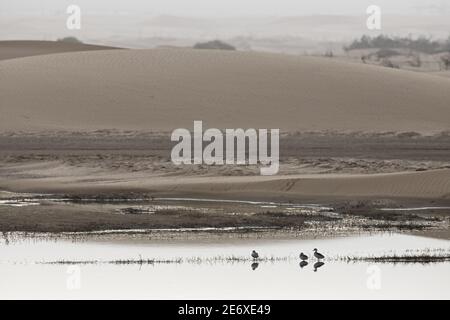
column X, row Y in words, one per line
column 164, row 89
column 55, row 178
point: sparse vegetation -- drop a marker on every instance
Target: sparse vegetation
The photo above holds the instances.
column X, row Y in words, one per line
column 421, row 44
column 406, row 258
column 189, row 260
column 215, row 44
column 329, row 54
column 416, row 61
column 389, row 64
column 69, row 40
column 386, row 53
column 446, row 61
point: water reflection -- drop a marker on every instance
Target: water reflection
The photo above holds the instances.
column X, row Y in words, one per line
column 142, row 269
column 318, row 265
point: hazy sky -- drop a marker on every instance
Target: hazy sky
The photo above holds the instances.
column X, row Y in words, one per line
column 227, row 7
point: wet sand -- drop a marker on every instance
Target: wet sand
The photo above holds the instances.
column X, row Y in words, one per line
column 170, row 218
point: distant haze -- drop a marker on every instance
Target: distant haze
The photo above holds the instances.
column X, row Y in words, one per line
column 228, row 7
column 308, row 25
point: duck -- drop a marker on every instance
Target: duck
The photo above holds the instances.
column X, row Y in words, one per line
column 318, row 255
column 255, row 255
column 303, row 256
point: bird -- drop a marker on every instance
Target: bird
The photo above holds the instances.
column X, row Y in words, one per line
column 318, row 255
column 255, row 255
column 303, row 256
column 303, row 264
column 317, row 265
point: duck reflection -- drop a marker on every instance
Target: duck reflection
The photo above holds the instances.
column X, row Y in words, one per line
column 318, row 265
column 255, row 265
column 303, row 264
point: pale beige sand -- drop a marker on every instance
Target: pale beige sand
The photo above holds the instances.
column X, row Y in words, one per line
column 62, row 178
column 445, row 74
column 313, row 166
column 163, row 89
column 28, row 48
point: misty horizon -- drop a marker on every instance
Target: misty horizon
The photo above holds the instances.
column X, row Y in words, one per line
column 142, row 24
column 231, row 8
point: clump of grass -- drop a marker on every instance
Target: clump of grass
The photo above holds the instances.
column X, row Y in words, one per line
column 215, row 44
column 383, row 226
column 422, row 258
column 69, row 40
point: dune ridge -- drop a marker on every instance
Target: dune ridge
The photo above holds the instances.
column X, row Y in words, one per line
column 164, row 89
column 13, row 49
column 426, row 185
column 52, row 177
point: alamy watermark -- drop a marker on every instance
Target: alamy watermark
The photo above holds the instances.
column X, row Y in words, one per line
column 234, row 147
column 73, row 281
column 73, row 21
column 374, row 279
column 374, row 20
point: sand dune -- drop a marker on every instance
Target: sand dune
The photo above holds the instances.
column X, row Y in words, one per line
column 20, row 48
column 433, row 184
column 55, row 177
column 163, row 89
column 428, row 185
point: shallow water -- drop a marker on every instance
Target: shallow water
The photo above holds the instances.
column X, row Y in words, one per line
column 27, row 200
column 24, row 274
column 415, row 209
column 19, row 203
column 24, row 199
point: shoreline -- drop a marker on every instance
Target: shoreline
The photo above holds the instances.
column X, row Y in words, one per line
column 204, row 218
